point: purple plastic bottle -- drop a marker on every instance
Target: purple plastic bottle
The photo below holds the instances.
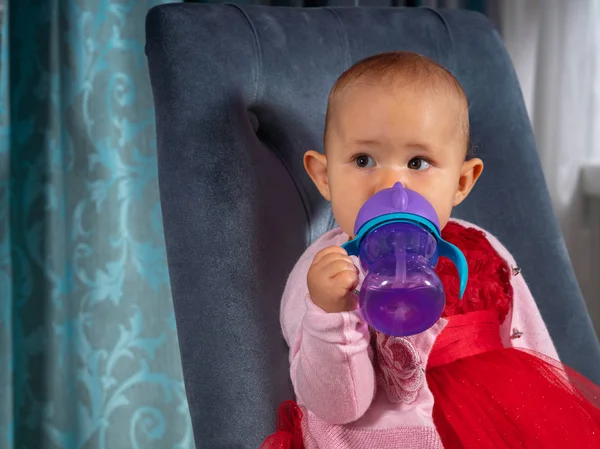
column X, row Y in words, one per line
column 398, row 242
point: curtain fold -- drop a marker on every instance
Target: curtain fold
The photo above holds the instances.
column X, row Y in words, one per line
column 88, row 346
column 555, row 47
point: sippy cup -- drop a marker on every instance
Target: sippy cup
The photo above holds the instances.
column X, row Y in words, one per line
column 398, row 243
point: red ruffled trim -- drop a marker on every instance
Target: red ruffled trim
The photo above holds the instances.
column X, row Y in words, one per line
column 289, row 428
column 489, row 285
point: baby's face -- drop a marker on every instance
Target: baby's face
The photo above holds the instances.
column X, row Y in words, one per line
column 380, row 135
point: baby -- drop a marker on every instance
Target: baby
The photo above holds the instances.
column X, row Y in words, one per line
column 400, row 117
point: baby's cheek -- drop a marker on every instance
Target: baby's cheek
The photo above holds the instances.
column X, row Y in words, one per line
column 345, row 216
column 443, row 213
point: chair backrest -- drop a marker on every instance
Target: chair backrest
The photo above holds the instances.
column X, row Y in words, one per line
column 240, row 94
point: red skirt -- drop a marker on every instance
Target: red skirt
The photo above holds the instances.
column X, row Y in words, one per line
column 487, row 396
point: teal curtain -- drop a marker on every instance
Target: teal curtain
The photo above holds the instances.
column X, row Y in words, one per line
column 88, row 346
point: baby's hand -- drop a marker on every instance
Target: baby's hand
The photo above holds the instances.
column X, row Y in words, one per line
column 332, row 278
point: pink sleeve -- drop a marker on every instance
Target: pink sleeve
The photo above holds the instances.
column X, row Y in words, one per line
column 331, row 368
column 524, row 326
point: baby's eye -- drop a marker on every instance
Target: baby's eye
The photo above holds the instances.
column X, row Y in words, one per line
column 364, row 161
column 418, row 163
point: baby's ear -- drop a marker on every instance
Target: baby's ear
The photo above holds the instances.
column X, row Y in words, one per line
column 315, row 164
column 469, row 174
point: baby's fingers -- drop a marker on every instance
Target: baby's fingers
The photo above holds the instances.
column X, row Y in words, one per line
column 346, row 280
column 329, row 252
column 332, row 268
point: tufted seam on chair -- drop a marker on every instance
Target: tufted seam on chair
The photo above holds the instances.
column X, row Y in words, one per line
column 273, row 148
column 258, row 91
column 344, row 34
column 258, row 72
column 450, row 35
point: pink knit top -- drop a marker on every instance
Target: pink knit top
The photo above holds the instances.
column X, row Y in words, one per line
column 331, row 358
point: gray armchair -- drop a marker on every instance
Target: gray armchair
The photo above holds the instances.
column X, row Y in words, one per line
column 240, row 94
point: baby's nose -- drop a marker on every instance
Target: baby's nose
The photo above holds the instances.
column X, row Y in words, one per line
column 390, row 178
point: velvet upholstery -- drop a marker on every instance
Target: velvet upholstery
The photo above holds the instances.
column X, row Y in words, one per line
column 240, row 94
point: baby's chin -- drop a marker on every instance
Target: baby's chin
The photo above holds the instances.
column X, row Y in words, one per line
column 344, row 224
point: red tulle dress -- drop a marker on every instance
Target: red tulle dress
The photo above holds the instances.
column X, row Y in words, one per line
column 485, row 395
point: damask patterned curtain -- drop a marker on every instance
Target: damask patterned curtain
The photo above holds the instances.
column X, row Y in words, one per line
column 88, row 348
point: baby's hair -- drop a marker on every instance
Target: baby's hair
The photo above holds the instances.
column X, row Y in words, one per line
column 401, row 67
